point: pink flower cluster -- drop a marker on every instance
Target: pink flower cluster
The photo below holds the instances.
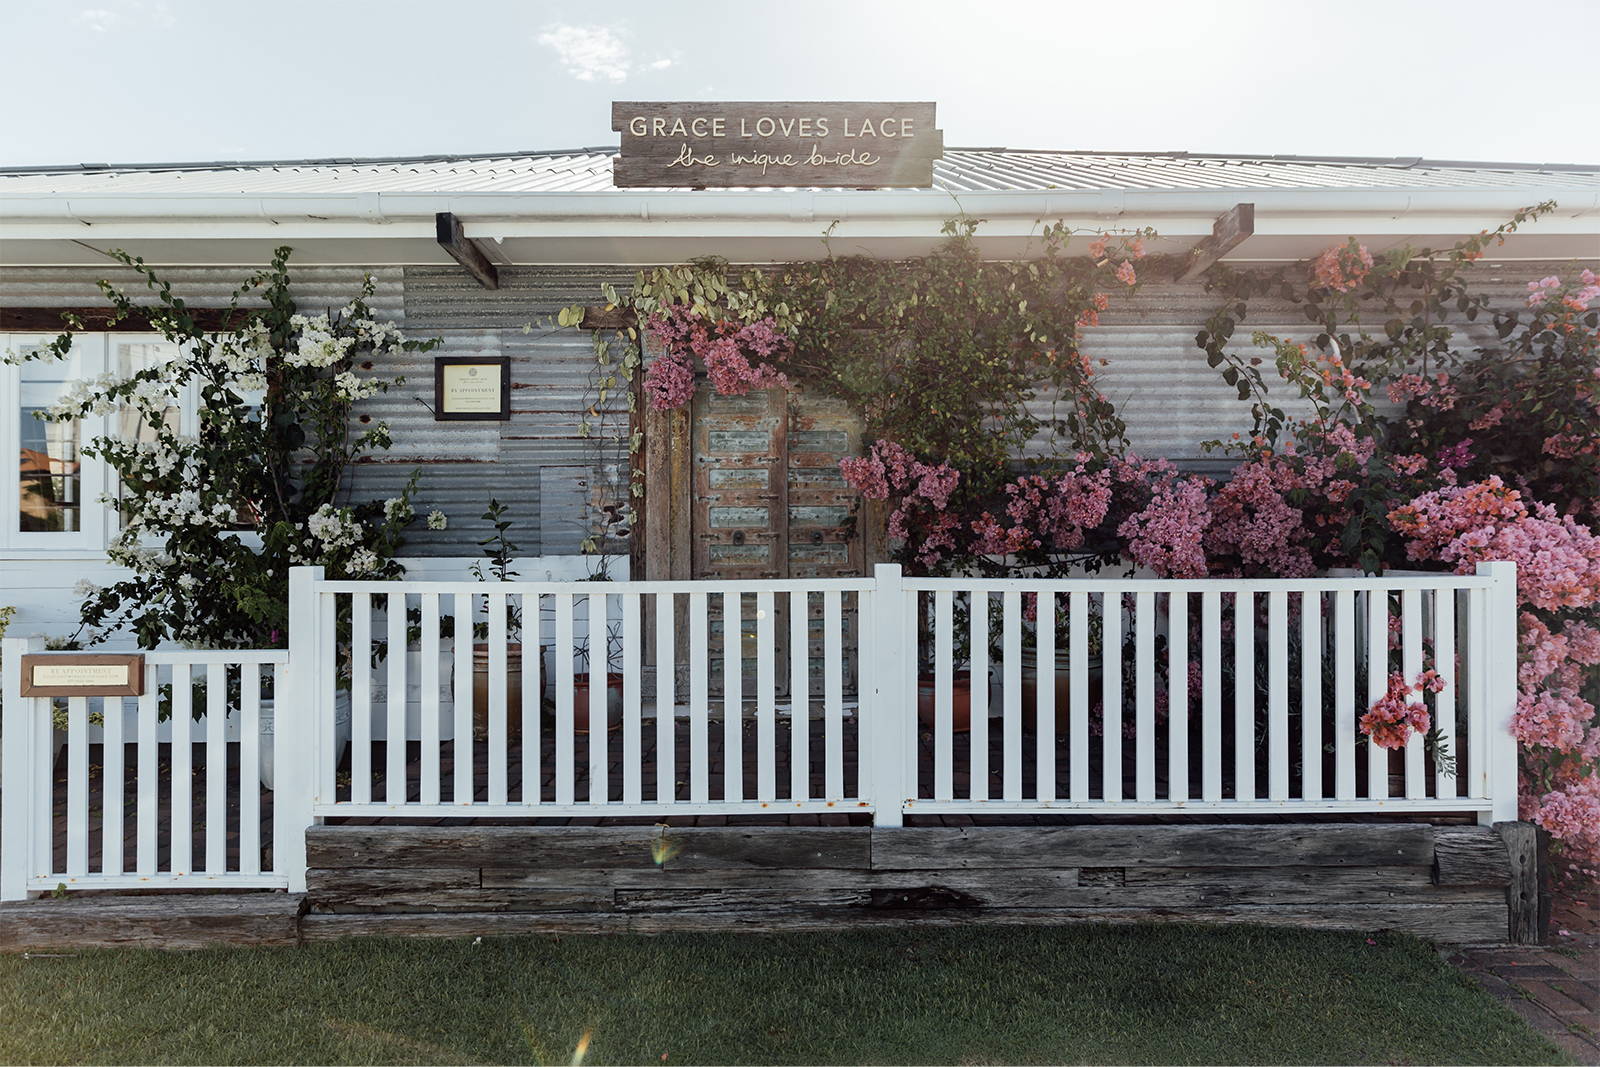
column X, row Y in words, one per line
column 1394, row 716
column 669, row 381
column 1558, row 559
column 1571, row 813
column 726, row 349
column 1438, row 392
column 1342, row 267
column 1254, row 523
column 1579, row 299
column 1167, row 535
column 922, row 490
column 1042, row 513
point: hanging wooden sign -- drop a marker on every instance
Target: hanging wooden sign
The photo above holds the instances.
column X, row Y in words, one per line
column 700, row 145
column 471, row 388
column 86, row 674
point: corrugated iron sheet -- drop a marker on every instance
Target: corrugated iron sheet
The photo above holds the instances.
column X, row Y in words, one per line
column 961, row 170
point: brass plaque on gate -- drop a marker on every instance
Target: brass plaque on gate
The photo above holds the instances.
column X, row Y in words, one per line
column 83, row 674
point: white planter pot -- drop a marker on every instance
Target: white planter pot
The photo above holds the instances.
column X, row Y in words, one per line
column 341, row 732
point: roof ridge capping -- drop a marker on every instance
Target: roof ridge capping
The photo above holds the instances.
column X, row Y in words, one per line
column 1399, row 162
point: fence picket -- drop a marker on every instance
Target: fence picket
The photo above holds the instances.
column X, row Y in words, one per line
column 799, row 695
column 599, row 631
column 1444, row 702
column 1144, row 722
column 360, row 698
column 666, row 699
column 532, row 701
column 1177, row 696
column 978, row 692
column 461, row 788
column 1078, row 681
column 1344, row 699
column 181, row 848
column 1277, row 695
column 394, row 745
column 1044, row 687
column 1011, row 629
column 1411, row 630
column 833, row 693
column 563, row 654
column 1477, row 693
column 146, row 859
column 428, row 705
column 250, row 767
column 1111, row 699
column 632, row 703
column 766, row 701
column 111, row 786
column 498, row 717
column 77, row 786
column 1244, row 696
column 699, row 700
column 733, row 697
column 1311, row 696
column 216, row 768
column 1377, row 685
column 1211, row 697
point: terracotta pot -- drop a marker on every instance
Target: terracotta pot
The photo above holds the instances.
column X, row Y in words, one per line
column 480, row 692
column 960, row 700
column 580, row 701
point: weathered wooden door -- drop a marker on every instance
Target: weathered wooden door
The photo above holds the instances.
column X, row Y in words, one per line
column 769, row 502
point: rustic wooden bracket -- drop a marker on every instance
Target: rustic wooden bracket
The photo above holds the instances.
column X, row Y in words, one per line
column 1227, row 233
column 464, row 250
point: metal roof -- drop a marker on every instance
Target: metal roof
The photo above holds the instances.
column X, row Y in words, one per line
column 588, row 170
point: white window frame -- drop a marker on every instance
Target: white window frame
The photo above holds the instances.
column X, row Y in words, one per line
column 98, row 522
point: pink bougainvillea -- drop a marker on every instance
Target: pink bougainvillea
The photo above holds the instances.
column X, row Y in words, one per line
column 1342, row 267
column 1167, row 534
column 730, row 352
column 1395, row 716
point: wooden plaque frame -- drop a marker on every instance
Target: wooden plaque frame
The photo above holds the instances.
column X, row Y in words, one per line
column 501, row 363
column 132, row 662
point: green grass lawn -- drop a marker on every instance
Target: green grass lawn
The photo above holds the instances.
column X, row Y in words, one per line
column 1151, row 994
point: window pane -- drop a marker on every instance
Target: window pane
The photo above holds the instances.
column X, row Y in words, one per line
column 50, row 467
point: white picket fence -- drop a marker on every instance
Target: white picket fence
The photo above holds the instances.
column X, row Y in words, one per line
column 885, row 695
column 152, row 796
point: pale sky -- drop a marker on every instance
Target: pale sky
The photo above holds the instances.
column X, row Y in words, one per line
column 168, row 80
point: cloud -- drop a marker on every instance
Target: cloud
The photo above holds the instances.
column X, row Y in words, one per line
column 661, row 64
column 126, row 13
column 588, row 53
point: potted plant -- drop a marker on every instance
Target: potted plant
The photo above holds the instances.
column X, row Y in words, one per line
column 500, row 550
column 580, row 681
column 1062, row 670
column 960, row 675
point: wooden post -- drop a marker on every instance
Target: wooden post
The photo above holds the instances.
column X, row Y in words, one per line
column 1500, row 682
column 298, row 728
column 892, row 736
column 464, row 250
column 1522, row 892
column 19, row 821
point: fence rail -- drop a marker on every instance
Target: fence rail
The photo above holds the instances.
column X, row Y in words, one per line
column 885, row 696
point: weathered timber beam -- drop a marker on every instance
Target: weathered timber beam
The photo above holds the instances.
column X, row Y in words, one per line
column 464, row 250
column 602, row 317
column 98, row 319
column 1227, row 233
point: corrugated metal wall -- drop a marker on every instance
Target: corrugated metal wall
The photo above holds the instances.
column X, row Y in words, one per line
column 539, row 465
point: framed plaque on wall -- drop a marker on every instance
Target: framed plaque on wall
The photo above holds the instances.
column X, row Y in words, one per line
column 471, row 388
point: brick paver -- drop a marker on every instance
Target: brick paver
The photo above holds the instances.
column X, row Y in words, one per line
column 1555, row 986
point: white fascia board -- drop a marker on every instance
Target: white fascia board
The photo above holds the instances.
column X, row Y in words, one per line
column 775, row 214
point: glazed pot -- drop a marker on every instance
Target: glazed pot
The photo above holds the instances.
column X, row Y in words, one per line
column 580, row 701
column 480, row 691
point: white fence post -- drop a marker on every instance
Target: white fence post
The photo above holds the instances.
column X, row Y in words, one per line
column 297, row 727
column 891, row 737
column 20, row 778
column 1500, row 687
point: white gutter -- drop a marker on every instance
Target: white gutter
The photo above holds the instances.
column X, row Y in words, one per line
column 650, row 208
